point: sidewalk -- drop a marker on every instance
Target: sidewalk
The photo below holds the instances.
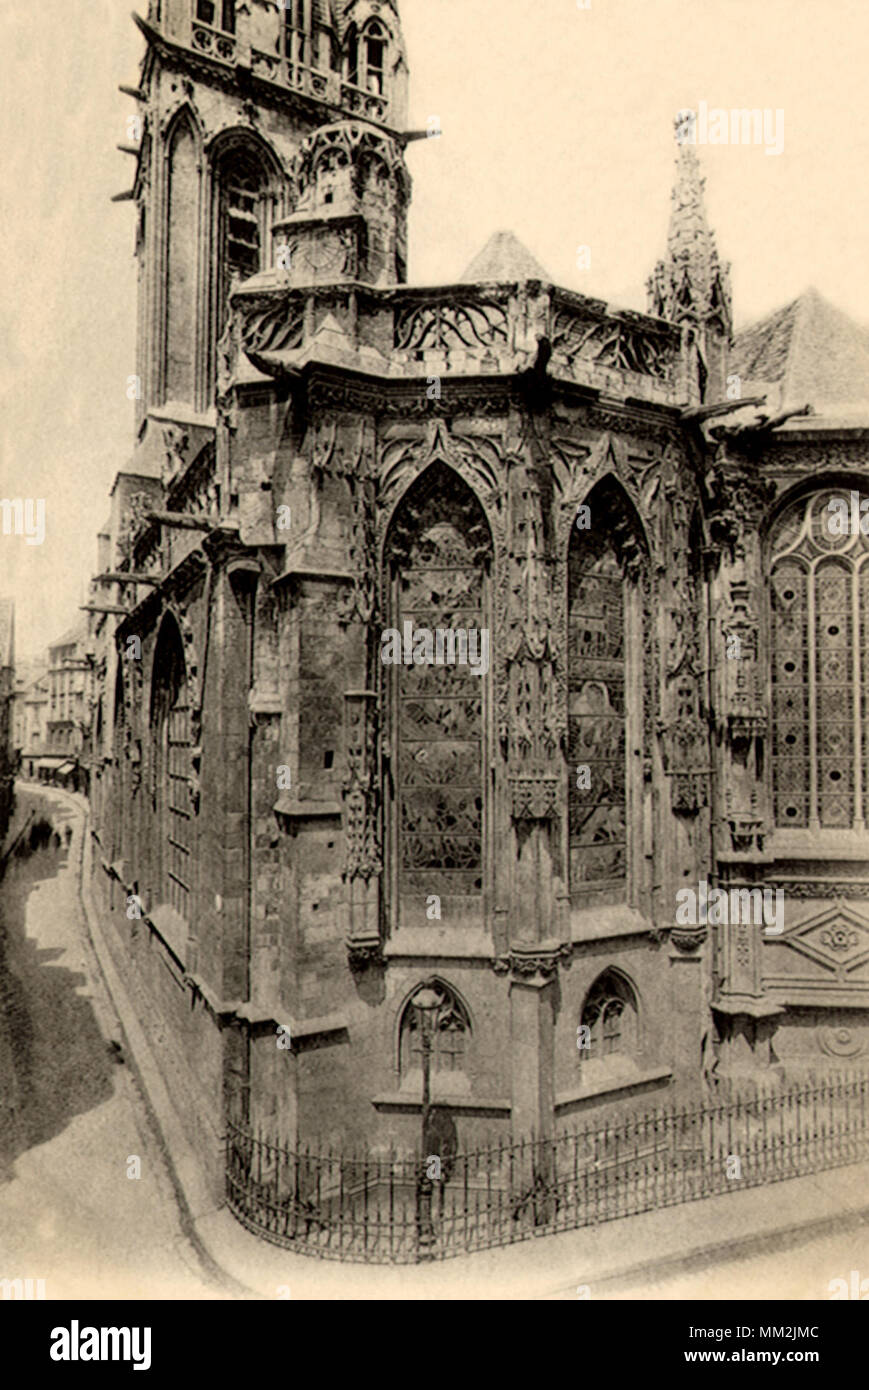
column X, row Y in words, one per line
column 756, row 1220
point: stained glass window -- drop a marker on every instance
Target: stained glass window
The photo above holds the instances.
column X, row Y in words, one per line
column 596, row 715
column 439, row 546
column 820, row 663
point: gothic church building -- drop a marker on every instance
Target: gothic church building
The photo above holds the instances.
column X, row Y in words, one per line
column 292, row 834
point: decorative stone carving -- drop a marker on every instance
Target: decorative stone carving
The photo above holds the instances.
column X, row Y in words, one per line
column 176, row 442
column 534, row 798
column 685, row 750
column 362, row 954
column 613, row 340
column 842, row 1040
column 526, row 959
column 688, row 939
column 738, row 498
column 743, row 709
column 361, row 829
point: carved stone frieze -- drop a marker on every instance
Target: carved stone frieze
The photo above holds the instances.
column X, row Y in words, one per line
column 526, row 961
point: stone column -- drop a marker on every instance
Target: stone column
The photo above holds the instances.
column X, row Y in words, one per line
column 532, row 1020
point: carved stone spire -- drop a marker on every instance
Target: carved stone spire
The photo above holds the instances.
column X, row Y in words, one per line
column 691, row 285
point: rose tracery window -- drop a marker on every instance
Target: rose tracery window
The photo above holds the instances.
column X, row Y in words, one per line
column 438, row 552
column 820, row 665
column 596, row 715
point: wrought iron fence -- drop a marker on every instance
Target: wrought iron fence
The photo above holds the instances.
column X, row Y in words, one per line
column 373, row 1209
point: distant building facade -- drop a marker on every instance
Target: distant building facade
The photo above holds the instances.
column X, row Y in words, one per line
column 68, row 712
column 293, row 832
column 29, row 718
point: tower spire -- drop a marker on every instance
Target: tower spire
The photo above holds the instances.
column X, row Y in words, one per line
column 691, row 285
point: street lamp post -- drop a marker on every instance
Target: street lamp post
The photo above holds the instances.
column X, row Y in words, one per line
column 426, row 1001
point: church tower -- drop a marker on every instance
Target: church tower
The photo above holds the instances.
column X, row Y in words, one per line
column 251, row 114
column 691, row 286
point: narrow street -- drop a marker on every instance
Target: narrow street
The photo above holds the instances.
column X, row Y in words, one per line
column 72, row 1120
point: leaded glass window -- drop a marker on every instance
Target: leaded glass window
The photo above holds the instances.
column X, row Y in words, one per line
column 439, row 550
column 596, row 715
column 820, row 664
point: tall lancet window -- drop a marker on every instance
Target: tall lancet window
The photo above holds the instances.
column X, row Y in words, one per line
column 820, row 663
column 438, row 554
column 170, row 732
column 297, row 31
column 240, row 227
column 609, row 694
column 374, row 47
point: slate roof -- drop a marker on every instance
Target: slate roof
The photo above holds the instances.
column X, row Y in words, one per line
column 809, row 351
column 504, row 259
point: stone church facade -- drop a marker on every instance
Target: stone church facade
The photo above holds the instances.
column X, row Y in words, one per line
column 291, row 834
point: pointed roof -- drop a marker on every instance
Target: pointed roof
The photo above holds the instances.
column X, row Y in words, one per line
column 690, row 283
column 810, row 349
column 504, row 259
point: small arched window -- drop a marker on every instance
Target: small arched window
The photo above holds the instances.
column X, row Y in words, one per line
column 449, row 1032
column 610, row 1015
column 819, row 581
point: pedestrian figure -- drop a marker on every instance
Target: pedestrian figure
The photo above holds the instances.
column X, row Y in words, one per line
column 67, row 834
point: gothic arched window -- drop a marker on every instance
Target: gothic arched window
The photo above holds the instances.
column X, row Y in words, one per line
column 241, row 224
column 366, row 53
column 596, row 715
column 819, row 579
column 171, row 752
column 610, row 1015
column 181, row 269
column 450, row 1033
column 438, row 554
column 374, row 40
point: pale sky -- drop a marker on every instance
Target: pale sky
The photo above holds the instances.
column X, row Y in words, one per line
column 557, row 123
